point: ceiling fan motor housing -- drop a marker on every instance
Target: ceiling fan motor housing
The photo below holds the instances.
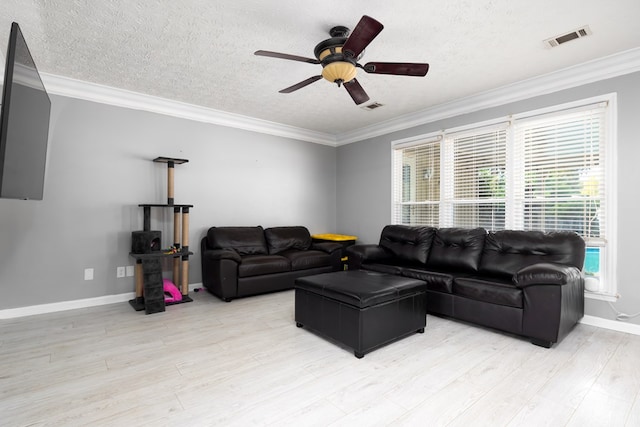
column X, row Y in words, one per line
column 336, row 67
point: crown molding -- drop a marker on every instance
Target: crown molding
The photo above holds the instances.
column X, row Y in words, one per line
column 73, row 88
column 608, row 67
column 625, row 62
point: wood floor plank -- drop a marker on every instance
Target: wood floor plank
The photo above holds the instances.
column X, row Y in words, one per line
column 542, row 411
column 620, row 378
column 501, row 403
column 454, row 362
column 601, row 409
column 572, row 382
column 318, row 413
column 633, row 417
column 446, row 406
column 379, row 413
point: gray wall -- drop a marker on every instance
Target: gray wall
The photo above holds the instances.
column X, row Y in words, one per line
column 364, row 179
column 99, row 169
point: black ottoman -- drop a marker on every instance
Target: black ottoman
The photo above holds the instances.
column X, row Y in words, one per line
column 361, row 309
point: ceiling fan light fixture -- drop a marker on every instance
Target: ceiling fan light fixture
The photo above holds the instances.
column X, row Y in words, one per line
column 339, row 72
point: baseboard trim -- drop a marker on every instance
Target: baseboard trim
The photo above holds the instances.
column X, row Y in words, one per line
column 12, row 313
column 614, row 325
column 32, row 310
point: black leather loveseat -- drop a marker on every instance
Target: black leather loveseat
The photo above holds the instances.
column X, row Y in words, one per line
column 525, row 282
column 242, row 261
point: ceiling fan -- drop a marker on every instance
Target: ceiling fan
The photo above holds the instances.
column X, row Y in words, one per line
column 339, row 57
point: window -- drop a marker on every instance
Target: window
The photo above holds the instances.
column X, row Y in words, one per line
column 546, row 170
column 418, row 189
column 474, row 193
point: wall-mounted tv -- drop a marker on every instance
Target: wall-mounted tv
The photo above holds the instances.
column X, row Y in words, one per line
column 24, row 124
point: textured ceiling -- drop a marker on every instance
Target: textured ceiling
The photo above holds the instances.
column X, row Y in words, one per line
column 201, row 52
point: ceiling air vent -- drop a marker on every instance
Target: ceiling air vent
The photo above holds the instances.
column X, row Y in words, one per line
column 575, row 34
column 372, row 106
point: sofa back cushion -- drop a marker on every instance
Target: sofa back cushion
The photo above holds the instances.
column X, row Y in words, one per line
column 506, row 252
column 280, row 239
column 457, row 249
column 244, row 240
column 406, row 243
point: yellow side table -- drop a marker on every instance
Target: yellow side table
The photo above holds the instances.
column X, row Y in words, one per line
column 343, row 239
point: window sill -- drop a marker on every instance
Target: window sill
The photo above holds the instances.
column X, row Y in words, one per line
column 601, row 296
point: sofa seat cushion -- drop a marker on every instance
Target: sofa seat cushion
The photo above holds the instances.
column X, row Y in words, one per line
column 491, row 291
column 302, row 260
column 438, row 282
column 257, row 265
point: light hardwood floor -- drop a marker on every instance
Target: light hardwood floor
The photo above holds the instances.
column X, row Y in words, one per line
column 245, row 363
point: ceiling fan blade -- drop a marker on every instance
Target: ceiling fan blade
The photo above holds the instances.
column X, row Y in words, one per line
column 357, row 93
column 285, row 56
column 397, row 68
column 301, row 84
column 366, row 30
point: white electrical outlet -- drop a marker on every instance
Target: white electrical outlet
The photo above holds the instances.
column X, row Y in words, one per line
column 130, row 270
column 88, row 274
column 120, row 272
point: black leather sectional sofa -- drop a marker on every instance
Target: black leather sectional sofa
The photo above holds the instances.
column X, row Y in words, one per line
column 242, row 261
column 524, row 282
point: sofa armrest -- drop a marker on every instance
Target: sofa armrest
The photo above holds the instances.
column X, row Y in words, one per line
column 220, row 271
column 553, row 296
column 359, row 254
column 220, row 254
column 328, row 247
column 546, row 274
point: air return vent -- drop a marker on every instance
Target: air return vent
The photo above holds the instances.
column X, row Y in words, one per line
column 572, row 35
column 372, row 106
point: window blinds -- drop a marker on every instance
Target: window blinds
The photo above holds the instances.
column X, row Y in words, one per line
column 475, row 185
column 416, row 190
column 562, row 185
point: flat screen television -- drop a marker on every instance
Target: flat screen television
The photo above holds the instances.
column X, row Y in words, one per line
column 24, row 124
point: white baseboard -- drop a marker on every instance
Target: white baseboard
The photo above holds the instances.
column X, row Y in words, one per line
column 31, row 310
column 615, row 325
column 11, row 313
